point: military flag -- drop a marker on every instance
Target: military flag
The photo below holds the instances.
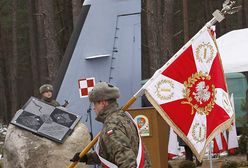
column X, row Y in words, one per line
column 190, row 93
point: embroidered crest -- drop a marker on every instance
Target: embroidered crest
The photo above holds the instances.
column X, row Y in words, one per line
column 199, row 132
column 164, row 89
column 205, row 51
column 200, row 93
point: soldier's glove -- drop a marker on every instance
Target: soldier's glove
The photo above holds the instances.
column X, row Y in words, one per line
column 76, row 158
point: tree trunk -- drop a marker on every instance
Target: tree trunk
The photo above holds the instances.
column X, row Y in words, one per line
column 153, row 30
column 43, row 71
column 6, row 99
column 244, row 13
column 185, row 21
column 76, row 8
column 6, row 55
column 144, row 41
column 3, row 103
column 67, row 20
column 159, row 15
column 166, row 49
column 12, row 64
column 206, row 10
column 33, row 46
column 3, row 100
column 52, row 51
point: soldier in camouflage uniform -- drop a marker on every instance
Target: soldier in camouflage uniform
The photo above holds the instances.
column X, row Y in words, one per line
column 46, row 92
column 119, row 141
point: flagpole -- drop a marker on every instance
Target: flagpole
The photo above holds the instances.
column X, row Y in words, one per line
column 228, row 8
column 210, row 155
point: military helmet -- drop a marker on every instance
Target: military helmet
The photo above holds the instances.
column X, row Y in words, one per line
column 104, row 91
column 45, row 88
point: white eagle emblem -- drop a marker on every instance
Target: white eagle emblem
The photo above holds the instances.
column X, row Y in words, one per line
column 202, row 94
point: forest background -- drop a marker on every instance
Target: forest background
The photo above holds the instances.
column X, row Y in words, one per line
column 34, row 35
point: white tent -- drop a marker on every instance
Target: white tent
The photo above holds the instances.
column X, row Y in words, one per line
column 232, row 47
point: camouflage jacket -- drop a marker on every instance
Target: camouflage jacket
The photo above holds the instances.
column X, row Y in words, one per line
column 119, row 140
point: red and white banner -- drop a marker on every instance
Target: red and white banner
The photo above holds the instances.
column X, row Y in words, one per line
column 232, row 136
column 222, row 142
column 190, row 93
column 85, row 86
column 232, row 139
column 173, row 145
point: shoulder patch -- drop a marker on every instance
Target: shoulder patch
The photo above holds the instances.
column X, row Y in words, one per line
column 110, row 132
